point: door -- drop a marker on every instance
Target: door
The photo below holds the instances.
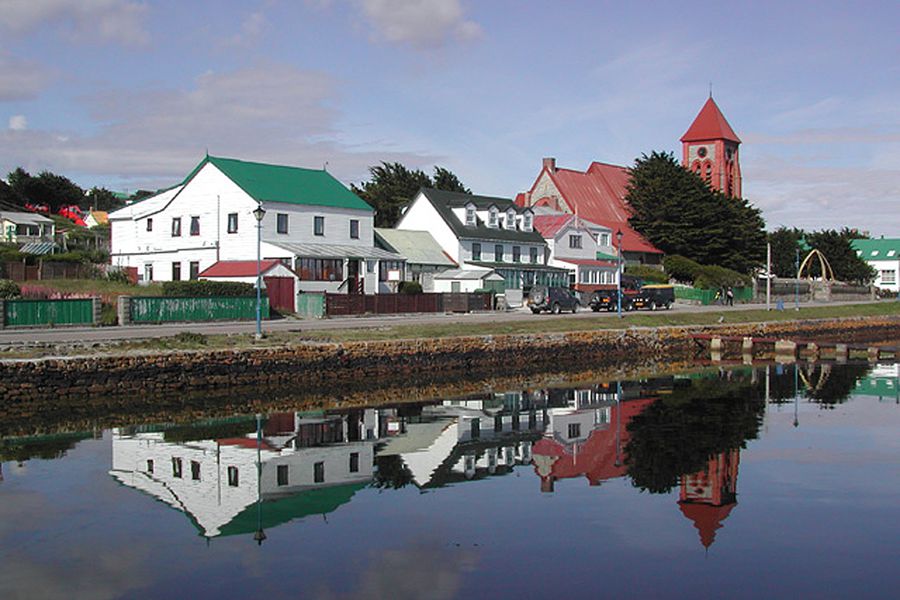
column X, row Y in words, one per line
column 281, row 293
column 455, row 287
column 353, row 277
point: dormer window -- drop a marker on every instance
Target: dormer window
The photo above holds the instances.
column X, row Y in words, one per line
column 470, row 215
column 511, row 219
column 492, row 217
column 527, row 223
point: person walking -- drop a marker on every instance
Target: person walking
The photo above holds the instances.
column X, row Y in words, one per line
column 729, row 296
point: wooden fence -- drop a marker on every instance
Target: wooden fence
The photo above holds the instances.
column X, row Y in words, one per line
column 47, row 270
column 383, row 304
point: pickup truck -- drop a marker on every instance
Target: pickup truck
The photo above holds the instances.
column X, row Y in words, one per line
column 635, row 295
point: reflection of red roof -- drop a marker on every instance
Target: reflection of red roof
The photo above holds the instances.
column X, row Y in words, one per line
column 710, row 124
column 595, row 458
column 550, row 225
column 587, row 262
column 598, row 196
column 246, row 443
column 707, row 518
column 238, row 268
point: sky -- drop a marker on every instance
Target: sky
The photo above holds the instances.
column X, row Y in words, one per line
column 129, row 94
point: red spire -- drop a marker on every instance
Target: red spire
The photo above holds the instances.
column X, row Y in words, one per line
column 710, row 124
column 707, row 519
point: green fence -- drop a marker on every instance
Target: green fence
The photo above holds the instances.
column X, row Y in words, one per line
column 707, row 297
column 160, row 309
column 311, row 305
column 37, row 313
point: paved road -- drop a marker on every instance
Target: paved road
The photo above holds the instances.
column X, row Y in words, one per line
column 21, row 337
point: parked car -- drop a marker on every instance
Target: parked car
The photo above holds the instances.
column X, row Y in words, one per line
column 635, row 295
column 552, row 299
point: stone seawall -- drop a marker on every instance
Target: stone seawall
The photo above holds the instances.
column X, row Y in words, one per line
column 353, row 364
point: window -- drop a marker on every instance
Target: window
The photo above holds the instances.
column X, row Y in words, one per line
column 318, row 225
column 476, row 251
column 282, row 474
column 533, row 255
column 232, row 222
column 585, row 276
column 150, row 466
column 470, row 215
column 148, row 272
column 574, row 430
column 574, row 241
column 319, row 472
column 389, row 265
column 176, row 226
column 604, row 239
column 889, row 277
column 492, row 217
column 510, row 219
column 195, row 225
column 498, row 253
column 354, row 462
column 321, row 269
column 149, row 224
column 370, row 266
column 282, row 223
column 517, row 254
column 195, row 470
column 176, row 271
column 194, row 270
column 354, row 229
column 233, row 476
column 527, row 223
column 176, row 467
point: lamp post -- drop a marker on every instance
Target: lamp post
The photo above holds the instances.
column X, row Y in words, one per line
column 797, row 280
column 259, row 212
column 260, row 536
column 619, row 273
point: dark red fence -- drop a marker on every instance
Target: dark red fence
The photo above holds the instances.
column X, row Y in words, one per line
column 385, row 304
column 47, row 270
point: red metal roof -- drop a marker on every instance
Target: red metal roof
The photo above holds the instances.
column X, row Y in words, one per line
column 598, row 195
column 710, row 124
column 707, row 519
column 549, row 225
column 238, row 268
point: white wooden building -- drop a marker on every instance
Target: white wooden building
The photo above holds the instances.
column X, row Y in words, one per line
column 312, row 223
column 583, row 248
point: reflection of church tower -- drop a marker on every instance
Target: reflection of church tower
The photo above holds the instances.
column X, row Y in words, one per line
column 708, row 496
column 710, row 149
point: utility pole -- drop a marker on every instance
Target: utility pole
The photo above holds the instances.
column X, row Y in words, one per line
column 769, row 276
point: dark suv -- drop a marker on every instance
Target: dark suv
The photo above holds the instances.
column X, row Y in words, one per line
column 552, row 299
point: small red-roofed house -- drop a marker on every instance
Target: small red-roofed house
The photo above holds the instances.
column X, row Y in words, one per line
column 278, row 280
column 583, row 248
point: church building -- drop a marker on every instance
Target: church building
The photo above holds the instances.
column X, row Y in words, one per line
column 709, row 147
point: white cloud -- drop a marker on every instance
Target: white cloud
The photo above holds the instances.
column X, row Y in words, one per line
column 20, row 79
column 270, row 112
column 18, row 123
column 420, row 23
column 107, row 20
column 251, row 29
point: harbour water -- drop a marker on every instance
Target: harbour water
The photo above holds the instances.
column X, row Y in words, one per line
column 745, row 482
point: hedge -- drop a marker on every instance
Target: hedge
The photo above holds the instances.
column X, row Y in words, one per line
column 700, row 276
column 206, row 288
column 647, row 274
column 9, row 289
column 409, row 287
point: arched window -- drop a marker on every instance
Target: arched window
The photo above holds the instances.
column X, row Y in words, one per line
column 708, row 171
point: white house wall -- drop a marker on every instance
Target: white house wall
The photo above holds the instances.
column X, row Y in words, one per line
column 422, row 216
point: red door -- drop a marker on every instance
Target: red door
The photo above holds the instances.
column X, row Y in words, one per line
column 281, row 293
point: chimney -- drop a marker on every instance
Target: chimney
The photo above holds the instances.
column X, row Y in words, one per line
column 550, row 164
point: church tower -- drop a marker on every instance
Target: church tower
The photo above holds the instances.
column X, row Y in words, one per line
column 710, row 149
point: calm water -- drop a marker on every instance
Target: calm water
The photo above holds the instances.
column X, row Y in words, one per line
column 748, row 483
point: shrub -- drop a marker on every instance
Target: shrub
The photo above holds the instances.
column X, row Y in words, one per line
column 713, row 277
column 681, row 269
column 647, row 274
column 109, row 315
column 206, row 288
column 409, row 287
column 117, row 276
column 9, row 289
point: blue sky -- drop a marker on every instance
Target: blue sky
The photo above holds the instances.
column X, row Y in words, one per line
column 129, row 94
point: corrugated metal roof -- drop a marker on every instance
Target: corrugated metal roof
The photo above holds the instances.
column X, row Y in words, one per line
column 419, row 247
column 710, row 124
column 469, row 274
column 587, row 262
column 550, row 225
column 524, row 266
column 238, row 268
column 444, row 202
column 39, row 248
column 598, row 195
column 335, row 251
column 878, row 249
column 25, row 218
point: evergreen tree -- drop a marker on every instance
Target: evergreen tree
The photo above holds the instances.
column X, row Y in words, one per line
column 785, row 244
column 47, row 188
column 392, row 186
column 679, row 214
column 835, row 245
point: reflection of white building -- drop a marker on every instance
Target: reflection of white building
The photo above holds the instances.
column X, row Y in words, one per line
column 217, row 483
column 587, row 410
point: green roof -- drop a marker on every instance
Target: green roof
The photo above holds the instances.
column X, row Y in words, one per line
column 444, row 202
column 605, row 256
column 292, row 185
column 272, row 513
column 880, row 249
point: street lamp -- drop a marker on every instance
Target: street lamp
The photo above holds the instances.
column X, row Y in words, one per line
column 259, row 212
column 619, row 273
column 797, row 280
